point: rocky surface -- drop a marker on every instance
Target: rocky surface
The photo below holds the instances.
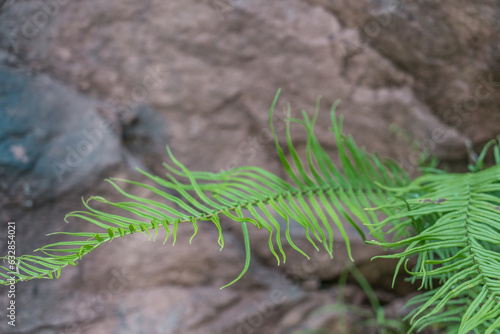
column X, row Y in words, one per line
column 92, row 89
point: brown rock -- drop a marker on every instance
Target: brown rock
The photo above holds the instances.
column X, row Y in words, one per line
column 209, row 72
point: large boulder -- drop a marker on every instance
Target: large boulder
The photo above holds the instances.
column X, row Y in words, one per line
column 200, row 76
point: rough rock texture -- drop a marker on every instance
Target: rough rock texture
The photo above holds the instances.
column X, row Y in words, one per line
column 200, row 76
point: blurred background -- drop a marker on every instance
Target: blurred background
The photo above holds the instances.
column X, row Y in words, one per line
column 93, row 89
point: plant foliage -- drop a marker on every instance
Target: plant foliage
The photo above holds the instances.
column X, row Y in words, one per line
column 449, row 222
column 457, row 223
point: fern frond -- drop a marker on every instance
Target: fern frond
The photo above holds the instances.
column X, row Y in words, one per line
column 457, row 243
column 318, row 197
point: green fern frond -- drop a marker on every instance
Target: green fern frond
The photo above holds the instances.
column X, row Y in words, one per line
column 319, row 196
column 457, row 243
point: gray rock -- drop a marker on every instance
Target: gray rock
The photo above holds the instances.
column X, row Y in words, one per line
column 52, row 138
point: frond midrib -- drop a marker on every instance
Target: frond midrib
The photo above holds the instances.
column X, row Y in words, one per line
column 310, row 190
column 469, row 244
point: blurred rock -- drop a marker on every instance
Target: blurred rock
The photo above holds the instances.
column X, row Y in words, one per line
column 52, row 138
column 200, row 77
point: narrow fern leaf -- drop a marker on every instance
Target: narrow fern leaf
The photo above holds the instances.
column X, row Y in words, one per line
column 246, row 238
